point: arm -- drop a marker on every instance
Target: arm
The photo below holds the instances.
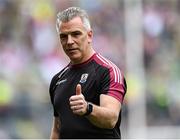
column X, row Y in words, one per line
column 106, row 115
column 55, row 128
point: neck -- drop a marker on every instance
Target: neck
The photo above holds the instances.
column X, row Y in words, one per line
column 86, row 57
column 91, row 52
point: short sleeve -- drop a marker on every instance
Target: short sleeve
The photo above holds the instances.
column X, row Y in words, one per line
column 51, row 92
column 113, row 84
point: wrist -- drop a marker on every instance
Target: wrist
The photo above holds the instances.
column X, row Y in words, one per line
column 89, row 109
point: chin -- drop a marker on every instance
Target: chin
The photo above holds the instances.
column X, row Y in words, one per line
column 75, row 60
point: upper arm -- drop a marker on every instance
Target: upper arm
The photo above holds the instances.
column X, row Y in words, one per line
column 113, row 89
column 110, row 103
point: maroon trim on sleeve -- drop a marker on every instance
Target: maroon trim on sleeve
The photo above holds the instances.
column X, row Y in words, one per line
column 117, row 91
column 117, row 87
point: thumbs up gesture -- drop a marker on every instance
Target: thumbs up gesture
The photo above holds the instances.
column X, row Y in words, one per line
column 78, row 89
column 77, row 102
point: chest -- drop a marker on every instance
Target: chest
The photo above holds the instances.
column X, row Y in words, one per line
column 66, row 87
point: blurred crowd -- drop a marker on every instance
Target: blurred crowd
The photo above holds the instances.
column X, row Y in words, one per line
column 161, row 58
column 30, row 54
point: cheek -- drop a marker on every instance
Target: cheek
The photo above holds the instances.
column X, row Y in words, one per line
column 83, row 41
column 63, row 47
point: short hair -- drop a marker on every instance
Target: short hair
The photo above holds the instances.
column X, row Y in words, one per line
column 69, row 14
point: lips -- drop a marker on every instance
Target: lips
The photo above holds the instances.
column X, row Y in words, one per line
column 71, row 50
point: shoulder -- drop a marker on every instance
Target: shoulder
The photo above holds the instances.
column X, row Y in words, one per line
column 56, row 77
column 112, row 81
column 101, row 60
column 60, row 73
column 110, row 68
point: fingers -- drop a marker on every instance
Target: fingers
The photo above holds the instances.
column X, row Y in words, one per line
column 78, row 110
column 77, row 102
column 78, row 89
column 78, row 92
column 75, row 98
column 77, row 107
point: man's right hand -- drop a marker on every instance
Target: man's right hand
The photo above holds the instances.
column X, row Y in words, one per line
column 77, row 102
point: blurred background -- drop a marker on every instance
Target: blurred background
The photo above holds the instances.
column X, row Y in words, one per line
column 142, row 37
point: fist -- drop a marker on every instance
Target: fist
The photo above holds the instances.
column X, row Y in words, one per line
column 77, row 102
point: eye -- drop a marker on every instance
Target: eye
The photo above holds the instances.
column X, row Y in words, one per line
column 63, row 36
column 76, row 33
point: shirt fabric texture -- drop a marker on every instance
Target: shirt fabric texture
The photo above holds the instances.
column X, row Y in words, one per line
column 97, row 76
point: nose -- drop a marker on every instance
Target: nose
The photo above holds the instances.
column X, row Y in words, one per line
column 70, row 39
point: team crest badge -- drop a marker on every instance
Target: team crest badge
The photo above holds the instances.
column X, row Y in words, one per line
column 84, row 78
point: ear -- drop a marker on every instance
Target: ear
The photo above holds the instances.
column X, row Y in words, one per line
column 90, row 36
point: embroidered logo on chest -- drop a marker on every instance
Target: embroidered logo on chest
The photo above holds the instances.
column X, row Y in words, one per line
column 84, row 78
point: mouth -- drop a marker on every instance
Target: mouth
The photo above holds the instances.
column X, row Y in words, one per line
column 71, row 50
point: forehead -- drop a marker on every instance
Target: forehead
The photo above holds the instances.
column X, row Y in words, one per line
column 74, row 24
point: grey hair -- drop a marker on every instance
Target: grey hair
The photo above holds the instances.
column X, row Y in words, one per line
column 69, row 14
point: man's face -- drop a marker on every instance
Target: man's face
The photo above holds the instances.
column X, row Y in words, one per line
column 75, row 40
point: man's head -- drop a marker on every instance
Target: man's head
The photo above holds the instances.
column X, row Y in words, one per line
column 71, row 13
column 75, row 34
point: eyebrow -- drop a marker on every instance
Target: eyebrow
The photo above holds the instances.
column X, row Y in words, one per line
column 65, row 33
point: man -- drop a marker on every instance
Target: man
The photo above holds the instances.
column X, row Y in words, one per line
column 87, row 94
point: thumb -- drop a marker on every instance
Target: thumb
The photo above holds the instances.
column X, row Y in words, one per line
column 78, row 89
